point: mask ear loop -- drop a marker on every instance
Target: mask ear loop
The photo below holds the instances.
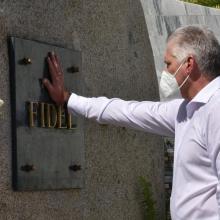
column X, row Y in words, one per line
column 185, row 78
column 184, row 60
column 177, row 72
column 184, row 81
column 178, row 69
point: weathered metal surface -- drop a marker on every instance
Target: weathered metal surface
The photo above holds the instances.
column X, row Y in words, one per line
column 47, row 142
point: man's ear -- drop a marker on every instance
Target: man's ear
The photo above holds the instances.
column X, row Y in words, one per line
column 192, row 67
column 191, row 62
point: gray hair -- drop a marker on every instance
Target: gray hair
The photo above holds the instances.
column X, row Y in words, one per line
column 201, row 43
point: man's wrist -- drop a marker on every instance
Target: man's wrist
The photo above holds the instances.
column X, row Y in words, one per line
column 67, row 95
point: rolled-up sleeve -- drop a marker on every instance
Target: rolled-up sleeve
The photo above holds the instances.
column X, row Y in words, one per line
column 154, row 117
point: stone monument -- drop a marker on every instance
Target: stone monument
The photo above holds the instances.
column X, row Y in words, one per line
column 117, row 61
column 122, row 44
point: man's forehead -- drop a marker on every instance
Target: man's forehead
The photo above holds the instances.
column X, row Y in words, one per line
column 168, row 54
column 169, row 47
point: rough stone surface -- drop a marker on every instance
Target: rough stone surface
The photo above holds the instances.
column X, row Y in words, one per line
column 117, row 61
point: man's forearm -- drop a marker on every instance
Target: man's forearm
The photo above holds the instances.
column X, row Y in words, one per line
column 146, row 116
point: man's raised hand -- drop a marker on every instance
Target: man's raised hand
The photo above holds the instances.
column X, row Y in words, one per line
column 55, row 87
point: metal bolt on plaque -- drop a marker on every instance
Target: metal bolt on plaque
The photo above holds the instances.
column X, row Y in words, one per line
column 73, row 69
column 26, row 61
column 75, row 167
column 28, row 168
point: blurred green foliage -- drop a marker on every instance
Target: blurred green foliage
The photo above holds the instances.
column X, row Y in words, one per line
column 208, row 3
column 148, row 201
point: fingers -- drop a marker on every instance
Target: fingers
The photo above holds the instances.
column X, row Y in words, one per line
column 55, row 63
column 53, row 60
column 55, row 87
column 52, row 70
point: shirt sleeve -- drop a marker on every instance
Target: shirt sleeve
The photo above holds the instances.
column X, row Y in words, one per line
column 153, row 117
column 213, row 144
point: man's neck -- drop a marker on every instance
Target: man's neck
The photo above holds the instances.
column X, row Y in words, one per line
column 194, row 87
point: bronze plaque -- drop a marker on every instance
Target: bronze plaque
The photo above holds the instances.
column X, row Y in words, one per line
column 48, row 143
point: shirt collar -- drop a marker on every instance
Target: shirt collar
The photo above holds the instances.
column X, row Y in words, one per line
column 207, row 92
column 203, row 96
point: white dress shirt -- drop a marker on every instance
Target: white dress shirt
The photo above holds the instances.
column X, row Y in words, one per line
column 196, row 127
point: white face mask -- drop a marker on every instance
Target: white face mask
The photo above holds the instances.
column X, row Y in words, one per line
column 168, row 83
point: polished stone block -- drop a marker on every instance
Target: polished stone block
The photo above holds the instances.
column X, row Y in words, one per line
column 48, row 143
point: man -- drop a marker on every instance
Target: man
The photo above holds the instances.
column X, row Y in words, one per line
column 192, row 61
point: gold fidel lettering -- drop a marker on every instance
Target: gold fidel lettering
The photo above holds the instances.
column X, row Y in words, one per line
column 61, row 118
column 51, row 116
column 47, row 115
column 69, row 122
column 42, row 115
column 33, row 107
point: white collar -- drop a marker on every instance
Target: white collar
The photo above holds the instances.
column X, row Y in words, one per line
column 203, row 96
column 207, row 92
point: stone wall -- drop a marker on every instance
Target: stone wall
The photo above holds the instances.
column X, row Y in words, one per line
column 117, row 62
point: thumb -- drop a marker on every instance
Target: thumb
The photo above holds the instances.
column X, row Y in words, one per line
column 48, row 85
